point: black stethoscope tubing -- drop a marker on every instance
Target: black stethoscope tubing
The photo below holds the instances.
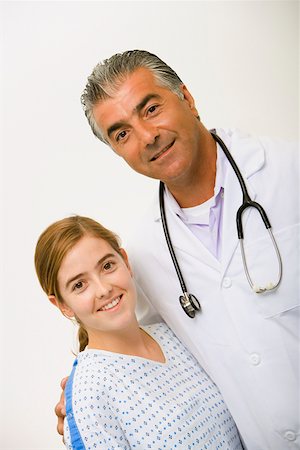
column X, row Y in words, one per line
column 247, row 202
column 188, row 301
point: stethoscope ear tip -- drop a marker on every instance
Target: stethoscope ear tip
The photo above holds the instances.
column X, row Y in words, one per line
column 257, row 289
column 269, row 287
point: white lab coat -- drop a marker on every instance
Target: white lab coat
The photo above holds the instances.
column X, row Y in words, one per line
column 248, row 343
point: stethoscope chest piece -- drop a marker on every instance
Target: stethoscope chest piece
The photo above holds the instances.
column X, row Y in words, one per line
column 189, row 304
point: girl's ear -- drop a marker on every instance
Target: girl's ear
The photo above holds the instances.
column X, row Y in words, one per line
column 64, row 309
column 125, row 257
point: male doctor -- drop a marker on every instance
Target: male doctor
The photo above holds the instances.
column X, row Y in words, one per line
column 246, row 341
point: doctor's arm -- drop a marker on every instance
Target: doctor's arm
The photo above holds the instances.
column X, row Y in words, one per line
column 60, row 408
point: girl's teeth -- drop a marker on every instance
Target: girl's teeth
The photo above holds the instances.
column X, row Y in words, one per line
column 111, row 305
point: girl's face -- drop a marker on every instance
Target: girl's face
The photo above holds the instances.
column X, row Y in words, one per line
column 96, row 285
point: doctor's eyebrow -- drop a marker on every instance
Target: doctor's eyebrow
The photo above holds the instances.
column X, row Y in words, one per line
column 115, row 127
column 145, row 100
column 137, row 109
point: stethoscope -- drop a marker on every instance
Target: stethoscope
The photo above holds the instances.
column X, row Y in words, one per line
column 188, row 301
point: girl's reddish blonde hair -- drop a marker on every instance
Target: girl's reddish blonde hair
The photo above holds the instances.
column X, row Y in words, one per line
column 53, row 245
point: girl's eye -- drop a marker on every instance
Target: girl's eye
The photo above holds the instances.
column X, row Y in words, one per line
column 78, row 286
column 121, row 135
column 108, row 265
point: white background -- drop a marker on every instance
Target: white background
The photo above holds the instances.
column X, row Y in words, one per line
column 239, row 60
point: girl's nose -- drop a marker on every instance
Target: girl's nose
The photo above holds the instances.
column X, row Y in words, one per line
column 103, row 289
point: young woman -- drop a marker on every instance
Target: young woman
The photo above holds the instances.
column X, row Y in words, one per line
column 131, row 387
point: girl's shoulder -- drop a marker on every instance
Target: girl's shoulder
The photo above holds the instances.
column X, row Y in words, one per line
column 95, row 366
column 97, row 361
column 95, row 374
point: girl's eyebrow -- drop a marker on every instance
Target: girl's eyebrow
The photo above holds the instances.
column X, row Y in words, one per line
column 79, row 275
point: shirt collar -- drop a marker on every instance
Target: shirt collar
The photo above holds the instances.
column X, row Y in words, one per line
column 221, row 165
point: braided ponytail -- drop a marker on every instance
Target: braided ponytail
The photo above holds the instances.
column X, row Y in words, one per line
column 83, row 338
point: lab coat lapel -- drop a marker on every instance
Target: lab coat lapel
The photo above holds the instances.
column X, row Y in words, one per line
column 249, row 156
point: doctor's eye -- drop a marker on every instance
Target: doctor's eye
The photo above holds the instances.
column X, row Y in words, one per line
column 152, row 109
column 121, row 135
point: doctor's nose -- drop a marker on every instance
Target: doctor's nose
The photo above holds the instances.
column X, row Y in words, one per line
column 147, row 133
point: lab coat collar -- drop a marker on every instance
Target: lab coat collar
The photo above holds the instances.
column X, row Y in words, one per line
column 247, row 152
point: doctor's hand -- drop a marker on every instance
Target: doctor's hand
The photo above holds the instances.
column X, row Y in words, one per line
column 60, row 408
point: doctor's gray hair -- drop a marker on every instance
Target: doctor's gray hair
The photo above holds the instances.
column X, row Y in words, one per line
column 108, row 76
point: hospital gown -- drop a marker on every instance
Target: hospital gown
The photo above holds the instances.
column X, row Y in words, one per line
column 117, row 401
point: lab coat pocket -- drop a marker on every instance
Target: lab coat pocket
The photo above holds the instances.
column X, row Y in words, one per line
column 263, row 268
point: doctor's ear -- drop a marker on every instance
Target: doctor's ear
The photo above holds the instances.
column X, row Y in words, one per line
column 64, row 309
column 187, row 96
column 125, row 257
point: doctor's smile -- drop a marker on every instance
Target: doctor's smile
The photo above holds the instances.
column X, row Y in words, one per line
column 162, row 152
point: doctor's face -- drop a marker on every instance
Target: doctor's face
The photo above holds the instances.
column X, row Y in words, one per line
column 155, row 131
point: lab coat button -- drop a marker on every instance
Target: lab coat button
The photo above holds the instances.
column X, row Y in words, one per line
column 255, row 359
column 290, row 435
column 227, row 282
